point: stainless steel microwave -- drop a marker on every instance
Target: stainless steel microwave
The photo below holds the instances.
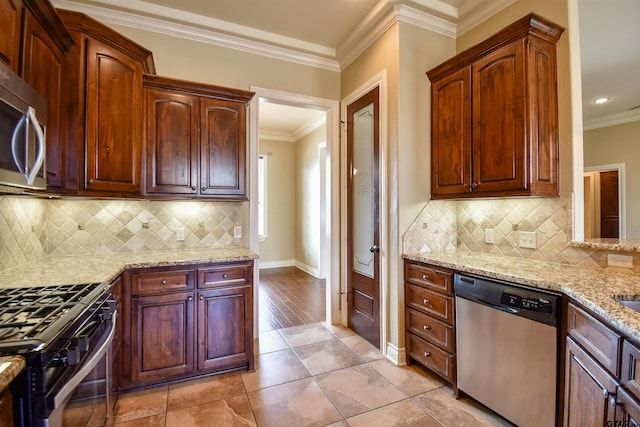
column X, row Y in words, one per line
column 23, row 116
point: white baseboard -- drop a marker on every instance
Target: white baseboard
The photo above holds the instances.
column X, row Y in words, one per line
column 315, row 272
column 397, row 355
column 263, row 265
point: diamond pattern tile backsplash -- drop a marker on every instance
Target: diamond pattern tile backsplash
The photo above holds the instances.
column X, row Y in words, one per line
column 32, row 228
column 550, row 218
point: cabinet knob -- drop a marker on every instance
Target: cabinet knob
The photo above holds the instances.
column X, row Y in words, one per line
column 425, row 301
column 612, row 402
column 201, row 298
column 474, row 184
column 427, row 354
column 194, row 188
column 605, row 393
column 190, row 299
column 203, row 189
column 225, row 276
column 425, row 327
column 91, row 181
column 163, row 282
column 425, row 277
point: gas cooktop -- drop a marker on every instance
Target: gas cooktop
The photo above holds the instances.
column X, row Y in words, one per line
column 32, row 316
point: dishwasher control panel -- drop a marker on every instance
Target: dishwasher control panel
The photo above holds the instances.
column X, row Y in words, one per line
column 540, row 305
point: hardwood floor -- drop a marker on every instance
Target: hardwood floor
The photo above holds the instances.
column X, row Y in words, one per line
column 288, row 296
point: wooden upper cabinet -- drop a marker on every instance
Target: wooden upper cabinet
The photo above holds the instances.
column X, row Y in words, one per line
column 223, row 148
column 451, row 137
column 172, row 142
column 196, row 138
column 11, row 24
column 104, row 126
column 44, row 42
column 494, row 116
column 113, row 121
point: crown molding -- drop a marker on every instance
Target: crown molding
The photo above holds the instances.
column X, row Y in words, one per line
column 612, row 120
column 208, row 32
column 276, row 136
column 307, row 128
column 473, row 12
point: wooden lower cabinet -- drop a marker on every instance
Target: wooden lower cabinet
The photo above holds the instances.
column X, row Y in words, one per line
column 588, row 389
column 162, row 337
column 197, row 320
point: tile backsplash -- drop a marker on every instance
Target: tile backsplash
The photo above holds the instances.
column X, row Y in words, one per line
column 32, row 228
column 550, row 218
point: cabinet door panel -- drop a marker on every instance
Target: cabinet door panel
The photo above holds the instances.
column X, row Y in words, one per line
column 172, row 142
column 588, row 388
column 451, row 134
column 627, row 409
column 42, row 69
column 11, row 24
column 222, row 145
column 223, row 330
column 499, row 162
column 162, row 337
column 113, row 120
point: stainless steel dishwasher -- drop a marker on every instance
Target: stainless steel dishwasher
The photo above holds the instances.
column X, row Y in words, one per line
column 506, row 337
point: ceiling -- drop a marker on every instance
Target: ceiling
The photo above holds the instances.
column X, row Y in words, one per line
column 331, row 33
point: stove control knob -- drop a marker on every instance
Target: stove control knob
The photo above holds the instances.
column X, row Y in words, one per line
column 73, row 356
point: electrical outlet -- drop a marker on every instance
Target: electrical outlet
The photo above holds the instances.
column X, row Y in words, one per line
column 237, row 232
column 527, row 239
column 617, row 260
column 489, row 236
column 180, row 234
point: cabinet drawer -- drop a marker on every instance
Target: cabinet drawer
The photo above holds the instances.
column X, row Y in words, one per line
column 424, row 276
column 161, row 281
column 430, row 329
column 600, row 341
column 228, row 275
column 429, row 302
column 431, row 356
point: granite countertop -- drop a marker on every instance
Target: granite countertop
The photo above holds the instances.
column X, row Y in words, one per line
column 104, row 268
column 594, row 289
column 10, row 367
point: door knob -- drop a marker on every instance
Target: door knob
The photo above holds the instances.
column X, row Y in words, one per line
column 374, row 249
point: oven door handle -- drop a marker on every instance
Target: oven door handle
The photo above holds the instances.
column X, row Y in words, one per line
column 65, row 392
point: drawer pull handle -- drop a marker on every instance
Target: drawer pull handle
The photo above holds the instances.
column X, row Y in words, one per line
column 164, row 282
column 427, row 354
column 426, row 302
column 225, row 276
column 426, row 327
column 425, row 277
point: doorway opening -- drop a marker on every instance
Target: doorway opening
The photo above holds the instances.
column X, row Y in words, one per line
column 604, row 202
column 292, row 138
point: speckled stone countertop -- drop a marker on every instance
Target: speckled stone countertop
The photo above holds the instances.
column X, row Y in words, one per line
column 10, row 367
column 595, row 289
column 104, row 268
column 623, row 245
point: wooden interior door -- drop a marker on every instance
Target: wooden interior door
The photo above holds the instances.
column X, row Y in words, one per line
column 609, row 205
column 363, row 211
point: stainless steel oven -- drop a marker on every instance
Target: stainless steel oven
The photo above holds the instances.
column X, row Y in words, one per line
column 22, row 133
column 65, row 335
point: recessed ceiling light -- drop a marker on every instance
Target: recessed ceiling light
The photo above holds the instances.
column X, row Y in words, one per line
column 601, row 100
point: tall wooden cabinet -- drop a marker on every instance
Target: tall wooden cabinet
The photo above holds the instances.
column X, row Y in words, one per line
column 196, row 139
column 494, row 116
column 11, row 24
column 104, row 125
column 187, row 320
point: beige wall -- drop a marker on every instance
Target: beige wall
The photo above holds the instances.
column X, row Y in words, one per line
column 279, row 246
column 556, row 11
column 207, row 63
column 308, row 199
column 619, row 144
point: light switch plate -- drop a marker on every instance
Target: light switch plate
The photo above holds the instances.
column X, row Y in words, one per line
column 489, row 236
column 237, row 232
column 180, row 234
column 617, row 260
column 527, row 239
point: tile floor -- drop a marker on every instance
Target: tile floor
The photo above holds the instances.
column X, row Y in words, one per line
column 309, row 375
